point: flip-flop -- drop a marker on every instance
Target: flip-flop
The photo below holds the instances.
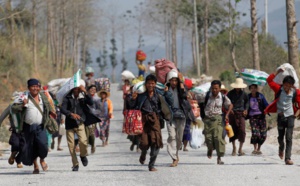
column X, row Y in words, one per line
column 36, row 171
column 241, row 154
column 44, row 166
column 219, row 162
column 254, row 152
column 259, row 153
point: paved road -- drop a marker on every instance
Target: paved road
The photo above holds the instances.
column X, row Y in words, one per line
column 116, row 165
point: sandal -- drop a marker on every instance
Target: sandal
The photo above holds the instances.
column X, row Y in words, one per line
column 209, row 153
column 220, row 162
column 259, row 152
column 241, row 153
column 233, row 153
column 36, row 171
column 44, row 165
column 254, row 152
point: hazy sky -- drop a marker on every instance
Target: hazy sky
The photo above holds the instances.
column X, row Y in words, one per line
column 121, row 6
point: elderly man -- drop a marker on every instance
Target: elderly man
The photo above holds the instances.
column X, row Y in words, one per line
column 34, row 112
column 78, row 115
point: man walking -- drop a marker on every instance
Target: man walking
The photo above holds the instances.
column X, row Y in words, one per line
column 181, row 111
column 153, row 106
column 34, row 112
column 240, row 102
column 213, row 129
column 75, row 108
column 285, row 98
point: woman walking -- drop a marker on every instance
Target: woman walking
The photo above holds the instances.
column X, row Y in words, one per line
column 106, row 113
column 257, row 105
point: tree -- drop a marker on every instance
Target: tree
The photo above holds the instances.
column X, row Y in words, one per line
column 232, row 16
column 206, row 37
column 34, row 36
column 255, row 49
column 113, row 58
column 291, row 22
column 102, row 60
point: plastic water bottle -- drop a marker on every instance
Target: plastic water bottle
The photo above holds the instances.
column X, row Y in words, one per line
column 229, row 130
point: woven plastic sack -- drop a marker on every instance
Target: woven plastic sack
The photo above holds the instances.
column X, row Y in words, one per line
column 201, row 89
column 162, row 68
column 126, row 74
column 288, row 69
column 141, row 88
column 251, row 76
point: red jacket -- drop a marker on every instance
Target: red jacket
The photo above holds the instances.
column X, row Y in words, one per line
column 272, row 108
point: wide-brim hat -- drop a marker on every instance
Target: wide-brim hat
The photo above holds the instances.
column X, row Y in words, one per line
column 224, row 88
column 239, row 83
column 104, row 91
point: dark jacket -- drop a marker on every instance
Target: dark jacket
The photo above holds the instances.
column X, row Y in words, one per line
column 183, row 102
column 67, row 108
column 262, row 102
column 165, row 99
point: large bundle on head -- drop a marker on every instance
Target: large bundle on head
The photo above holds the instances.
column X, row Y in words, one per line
column 251, row 76
column 140, row 55
column 55, row 84
column 140, row 87
column 73, row 82
column 162, row 68
column 89, row 70
column 126, row 74
column 102, row 84
column 202, row 89
column 152, row 69
column 288, row 70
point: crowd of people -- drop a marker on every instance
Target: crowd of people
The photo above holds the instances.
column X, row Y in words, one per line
column 220, row 107
column 86, row 113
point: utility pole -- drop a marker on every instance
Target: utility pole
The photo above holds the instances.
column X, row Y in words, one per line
column 266, row 15
column 197, row 38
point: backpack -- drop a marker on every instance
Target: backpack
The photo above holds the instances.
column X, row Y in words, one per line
column 203, row 105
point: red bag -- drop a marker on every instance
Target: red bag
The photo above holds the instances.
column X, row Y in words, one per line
column 188, row 83
column 162, row 68
column 195, row 108
column 132, row 124
column 140, row 55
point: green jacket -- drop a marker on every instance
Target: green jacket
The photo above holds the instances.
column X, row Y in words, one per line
column 17, row 107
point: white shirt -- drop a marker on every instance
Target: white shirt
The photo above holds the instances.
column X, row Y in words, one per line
column 175, row 96
column 33, row 115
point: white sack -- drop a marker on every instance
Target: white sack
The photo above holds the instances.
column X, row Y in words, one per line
column 288, row 69
column 126, row 74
